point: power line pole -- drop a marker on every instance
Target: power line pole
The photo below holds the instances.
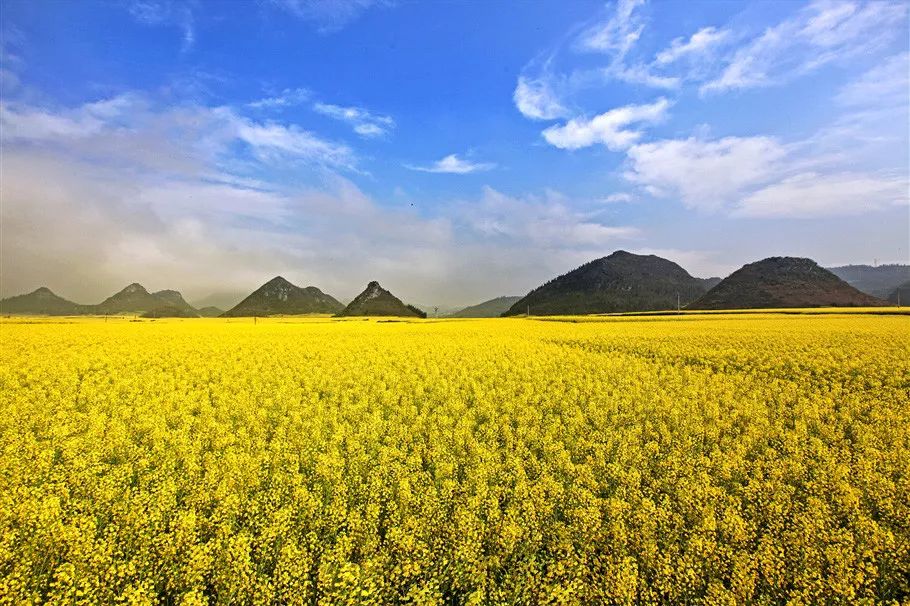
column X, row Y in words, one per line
column 677, row 302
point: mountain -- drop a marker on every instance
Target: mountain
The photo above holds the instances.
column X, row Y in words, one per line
column 377, row 301
column 134, row 299
column 783, row 282
column 620, row 282
column 439, row 310
column 488, row 309
column 210, row 312
column 174, row 299
column 223, row 299
column 879, row 281
column 901, row 294
column 41, row 302
column 280, row 297
column 709, row 283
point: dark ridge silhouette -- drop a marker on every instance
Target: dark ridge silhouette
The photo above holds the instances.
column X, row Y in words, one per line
column 280, row 297
column 620, row 282
column 783, row 282
column 488, row 309
column 40, row 302
column 377, row 301
column 879, row 281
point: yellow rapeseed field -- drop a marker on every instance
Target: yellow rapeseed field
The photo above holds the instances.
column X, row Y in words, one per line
column 753, row 459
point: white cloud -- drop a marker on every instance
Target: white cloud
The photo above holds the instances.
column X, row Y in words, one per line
column 822, row 33
column 364, row 122
column 618, row 198
column 536, row 99
column 329, row 15
column 166, row 12
column 761, row 177
column 271, row 141
column 539, row 222
column 289, row 97
column 818, row 195
column 24, row 122
column 705, row 175
column 617, row 35
column 454, row 165
column 700, row 42
column 608, row 129
column 886, row 84
column 111, row 128
column 642, row 74
column 169, row 228
column 35, row 124
column 169, row 232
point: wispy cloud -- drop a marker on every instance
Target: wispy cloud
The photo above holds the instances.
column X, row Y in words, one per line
column 713, row 58
column 452, row 164
column 289, row 97
column 700, row 42
column 535, row 98
column 364, row 122
column 108, row 126
column 544, row 221
column 271, row 141
column 761, row 177
column 822, row 33
column 329, row 15
column 542, row 92
column 618, row 198
column 166, row 12
column 21, row 122
column 886, row 84
column 808, row 195
column 614, row 36
column 609, row 128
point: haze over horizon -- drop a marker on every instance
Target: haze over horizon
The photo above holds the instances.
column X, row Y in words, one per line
column 453, row 154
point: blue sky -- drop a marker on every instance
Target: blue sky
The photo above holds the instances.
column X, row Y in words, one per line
column 455, row 151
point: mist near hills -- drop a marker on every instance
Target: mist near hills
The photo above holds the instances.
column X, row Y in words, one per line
column 622, row 281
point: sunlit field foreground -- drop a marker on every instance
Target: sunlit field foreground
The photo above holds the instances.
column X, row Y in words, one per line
column 710, row 459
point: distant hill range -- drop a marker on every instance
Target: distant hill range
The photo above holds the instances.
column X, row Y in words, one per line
column 134, row 299
column 210, row 312
column 280, row 297
column 879, row 281
column 225, row 299
column 377, row 301
column 437, row 310
column 41, row 302
column 488, row 309
column 175, row 299
column 780, row 282
column 709, row 283
column 620, row 282
column 900, row 295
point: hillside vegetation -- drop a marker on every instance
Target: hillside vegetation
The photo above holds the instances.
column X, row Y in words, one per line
column 781, row 282
column 488, row 309
column 377, row 301
column 619, row 282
